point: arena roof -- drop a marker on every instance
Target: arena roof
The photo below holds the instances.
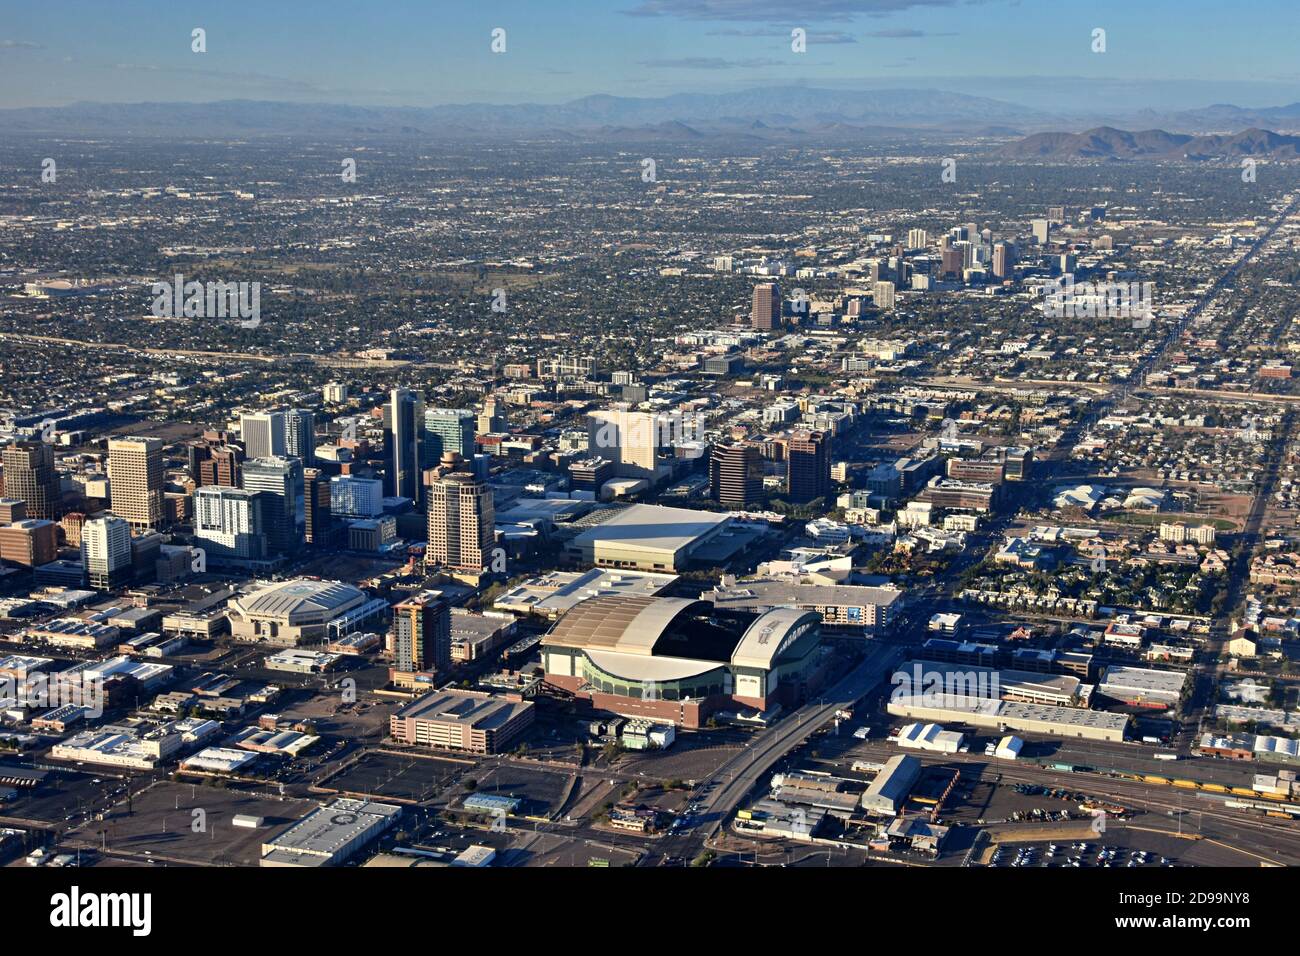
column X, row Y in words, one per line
column 653, row 528
column 769, row 635
column 657, row 638
column 628, row 625
column 290, row 600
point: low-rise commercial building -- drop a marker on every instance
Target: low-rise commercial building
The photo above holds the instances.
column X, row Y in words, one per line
column 840, row 605
column 462, row 720
column 331, row 835
column 1006, row 715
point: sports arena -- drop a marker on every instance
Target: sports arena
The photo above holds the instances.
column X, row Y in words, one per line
column 679, row 660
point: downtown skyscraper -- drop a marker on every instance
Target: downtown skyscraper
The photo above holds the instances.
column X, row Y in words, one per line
column 461, row 521
column 135, row 475
column 29, row 475
column 285, row 507
column 403, row 438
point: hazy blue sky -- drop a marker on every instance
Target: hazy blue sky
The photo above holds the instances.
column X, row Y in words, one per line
column 1160, row 53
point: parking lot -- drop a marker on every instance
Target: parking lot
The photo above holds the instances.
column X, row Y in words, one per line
column 387, row 775
column 190, row 824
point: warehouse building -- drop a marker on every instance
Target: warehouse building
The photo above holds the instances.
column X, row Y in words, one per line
column 1007, row 715
column 931, row 737
column 648, row 538
column 1025, row 687
column 330, row 835
column 893, row 783
column 1142, row 687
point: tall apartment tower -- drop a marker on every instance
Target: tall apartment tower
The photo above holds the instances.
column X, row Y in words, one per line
column 1002, row 260
column 765, row 314
column 319, row 525
column 403, row 436
column 447, row 430
column 285, row 507
column 461, row 521
column 421, row 634
column 263, row 434
column 29, row 475
column 300, row 435
column 229, row 523
column 736, row 475
column 809, row 457
column 629, row 439
column 883, row 295
column 106, row 552
column 135, row 473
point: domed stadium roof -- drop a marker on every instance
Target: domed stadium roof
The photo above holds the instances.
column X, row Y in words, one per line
column 628, row 625
column 663, row 638
column 299, row 600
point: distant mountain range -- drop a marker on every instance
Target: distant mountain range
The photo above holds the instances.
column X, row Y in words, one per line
column 764, row 115
column 775, row 113
column 1106, row 142
column 1224, row 116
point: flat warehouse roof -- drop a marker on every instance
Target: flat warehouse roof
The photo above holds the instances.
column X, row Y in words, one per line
column 652, row 528
column 1144, row 678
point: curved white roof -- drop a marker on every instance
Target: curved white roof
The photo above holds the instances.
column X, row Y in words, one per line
column 769, row 635
column 298, row 599
column 637, row 667
column 626, row 624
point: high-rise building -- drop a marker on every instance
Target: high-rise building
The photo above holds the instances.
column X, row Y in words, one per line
column 917, row 239
column 263, row 434
column 72, row 523
column 29, row 542
column 883, row 295
column 229, row 523
column 461, row 521
column 319, row 528
column 1042, row 231
column 300, row 435
column 629, row 439
column 285, row 510
column 135, row 474
column 810, row 465
column 217, row 465
column 334, row 393
column 736, row 475
column 490, row 419
column 106, row 552
column 765, row 314
column 403, row 436
column 421, row 634
column 951, row 261
column 352, row 497
column 29, row 474
column 1003, row 259
column 447, row 430
column 590, row 474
